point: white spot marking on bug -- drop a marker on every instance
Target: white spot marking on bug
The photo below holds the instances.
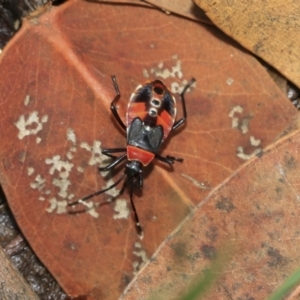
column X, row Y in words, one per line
column 30, row 171
column 47, row 192
column 80, row 169
column 175, row 56
column 154, row 218
column 141, row 254
column 71, row 196
column 59, row 206
column 198, row 184
column 42, row 198
column 122, row 210
column 152, row 46
column 254, row 142
column 38, row 183
column 30, row 125
column 229, row 81
column 38, row 140
column 26, row 100
column 241, row 154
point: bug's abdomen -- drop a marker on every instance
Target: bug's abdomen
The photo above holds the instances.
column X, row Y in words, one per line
column 143, row 156
column 154, row 104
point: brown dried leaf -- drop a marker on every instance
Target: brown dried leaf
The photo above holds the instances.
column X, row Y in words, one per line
column 186, row 8
column 56, row 97
column 257, row 212
column 270, row 29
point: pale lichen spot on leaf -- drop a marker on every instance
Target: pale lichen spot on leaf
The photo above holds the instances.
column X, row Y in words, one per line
column 122, row 209
column 69, row 155
column 39, row 183
column 58, row 164
column 30, row 171
column 229, row 81
column 175, row 71
column 30, row 125
column 239, row 123
column 141, row 254
column 71, row 136
column 254, row 142
column 26, row 100
column 90, row 208
column 235, row 120
column 97, row 156
column 80, row 169
column 241, row 154
column 58, row 206
column 114, row 192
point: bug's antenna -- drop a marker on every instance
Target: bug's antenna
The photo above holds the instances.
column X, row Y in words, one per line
column 97, row 193
column 137, row 220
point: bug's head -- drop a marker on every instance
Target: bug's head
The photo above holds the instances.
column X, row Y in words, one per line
column 133, row 171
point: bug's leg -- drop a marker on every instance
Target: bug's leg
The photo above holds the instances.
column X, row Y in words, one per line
column 97, row 193
column 168, row 159
column 113, row 107
column 136, row 217
column 114, row 163
column 183, row 119
column 112, row 150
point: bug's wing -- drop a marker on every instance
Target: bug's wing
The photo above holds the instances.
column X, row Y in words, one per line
column 147, row 138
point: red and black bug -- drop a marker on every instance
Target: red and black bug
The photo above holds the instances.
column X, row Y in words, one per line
column 151, row 116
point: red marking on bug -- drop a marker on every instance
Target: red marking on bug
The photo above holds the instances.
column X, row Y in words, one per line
column 134, row 153
column 151, row 116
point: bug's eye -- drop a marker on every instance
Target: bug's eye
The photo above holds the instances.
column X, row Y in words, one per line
column 155, row 102
column 158, row 90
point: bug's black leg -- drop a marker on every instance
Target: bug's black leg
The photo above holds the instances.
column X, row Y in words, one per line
column 182, row 120
column 113, row 107
column 136, row 218
column 112, row 150
column 97, row 193
column 168, row 159
column 114, row 163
